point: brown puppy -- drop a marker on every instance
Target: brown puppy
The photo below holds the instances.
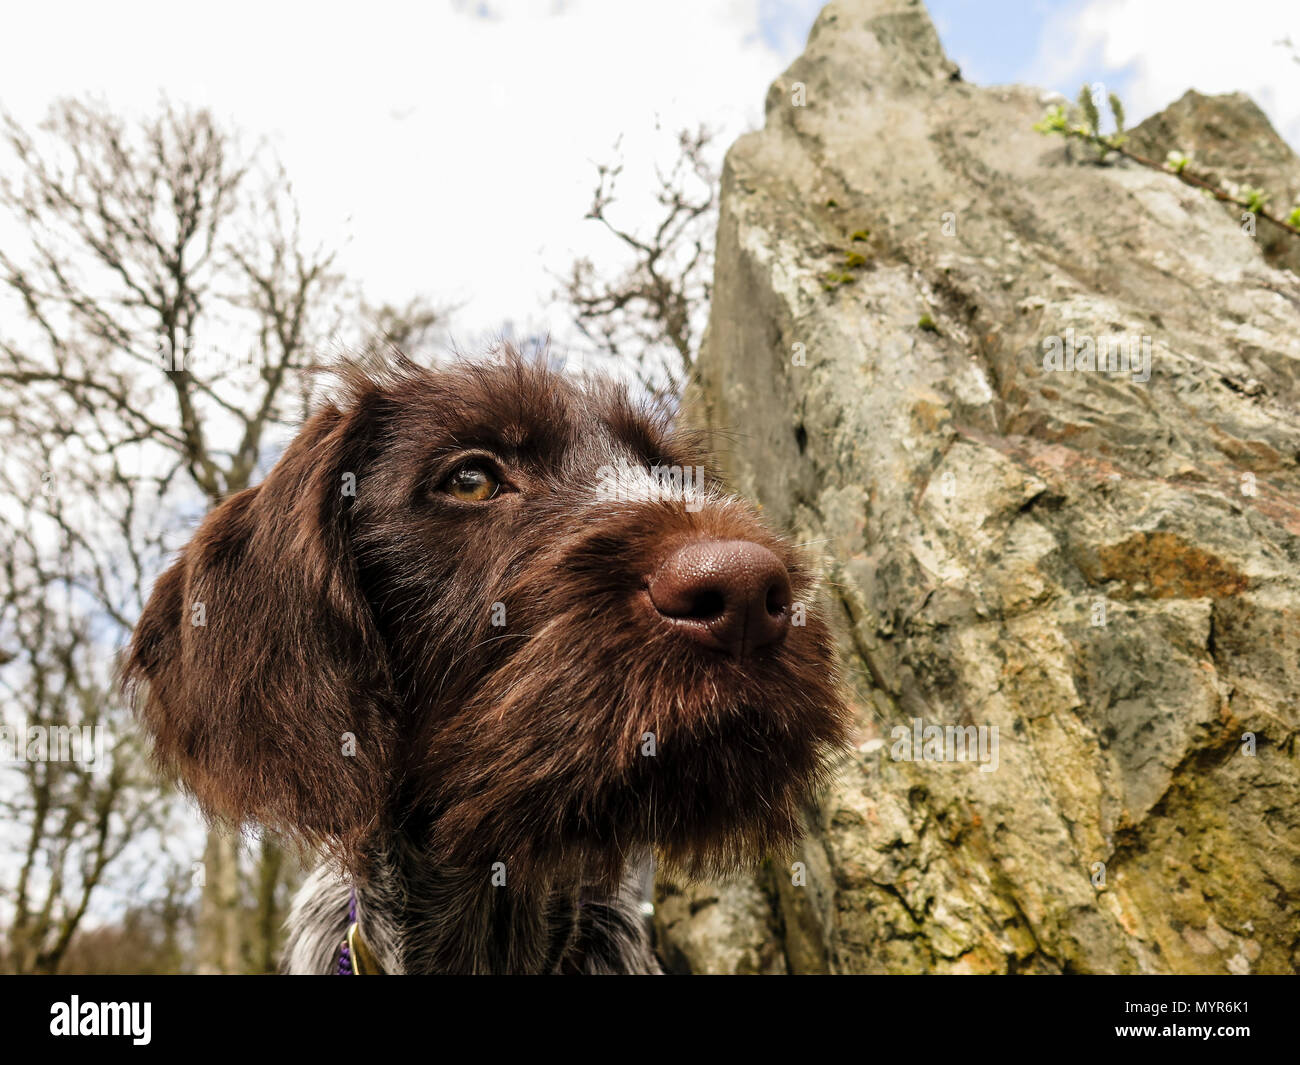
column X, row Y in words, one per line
column 488, row 634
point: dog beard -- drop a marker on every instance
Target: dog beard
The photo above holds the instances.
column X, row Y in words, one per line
column 597, row 732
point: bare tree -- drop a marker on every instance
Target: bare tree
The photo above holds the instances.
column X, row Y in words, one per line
column 412, row 328
column 78, row 789
column 151, row 937
column 652, row 313
column 171, row 304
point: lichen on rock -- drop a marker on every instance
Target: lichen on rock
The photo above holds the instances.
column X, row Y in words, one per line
column 1107, row 570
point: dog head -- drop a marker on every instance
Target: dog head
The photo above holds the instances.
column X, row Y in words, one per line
column 510, row 614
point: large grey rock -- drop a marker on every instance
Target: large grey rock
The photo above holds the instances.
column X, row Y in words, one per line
column 1105, row 570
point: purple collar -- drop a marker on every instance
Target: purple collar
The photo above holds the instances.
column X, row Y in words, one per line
column 355, row 957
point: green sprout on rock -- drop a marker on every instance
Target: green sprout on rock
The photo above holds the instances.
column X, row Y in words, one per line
column 1082, row 123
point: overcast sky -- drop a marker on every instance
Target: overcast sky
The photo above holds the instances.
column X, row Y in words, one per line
column 449, row 148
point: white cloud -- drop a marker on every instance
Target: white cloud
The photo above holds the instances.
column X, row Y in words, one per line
column 1158, row 49
column 450, row 147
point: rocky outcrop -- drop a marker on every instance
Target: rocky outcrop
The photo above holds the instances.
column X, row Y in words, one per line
column 1103, row 567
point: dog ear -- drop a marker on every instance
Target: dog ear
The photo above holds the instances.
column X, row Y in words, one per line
column 256, row 665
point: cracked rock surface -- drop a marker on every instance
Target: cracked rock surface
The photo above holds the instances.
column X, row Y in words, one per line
column 1107, row 570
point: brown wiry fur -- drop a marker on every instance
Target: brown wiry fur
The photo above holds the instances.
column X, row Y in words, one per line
column 370, row 615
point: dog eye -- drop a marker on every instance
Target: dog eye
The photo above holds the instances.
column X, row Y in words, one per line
column 473, row 483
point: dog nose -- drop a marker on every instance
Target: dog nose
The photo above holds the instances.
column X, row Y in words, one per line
column 731, row 595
